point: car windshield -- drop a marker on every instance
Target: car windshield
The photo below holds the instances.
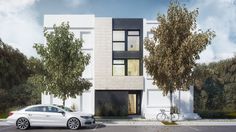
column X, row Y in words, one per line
column 65, row 108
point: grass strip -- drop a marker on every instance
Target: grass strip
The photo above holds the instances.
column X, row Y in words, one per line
column 169, row 123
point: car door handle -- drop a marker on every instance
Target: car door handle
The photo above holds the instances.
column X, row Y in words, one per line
column 29, row 114
column 47, row 115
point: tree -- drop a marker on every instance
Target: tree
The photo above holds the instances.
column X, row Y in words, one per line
column 174, row 48
column 215, row 86
column 63, row 63
column 13, row 77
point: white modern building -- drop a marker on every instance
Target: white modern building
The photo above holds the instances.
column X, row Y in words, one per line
column 121, row 86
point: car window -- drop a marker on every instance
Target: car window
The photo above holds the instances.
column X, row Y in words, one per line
column 37, row 109
column 52, row 109
column 65, row 108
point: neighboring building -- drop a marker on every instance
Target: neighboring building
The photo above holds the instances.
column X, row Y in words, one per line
column 121, row 86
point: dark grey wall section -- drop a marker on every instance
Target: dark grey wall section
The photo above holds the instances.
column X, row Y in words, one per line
column 127, row 54
column 111, row 103
column 128, row 24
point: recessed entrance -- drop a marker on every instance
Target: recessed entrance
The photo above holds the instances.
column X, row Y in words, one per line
column 134, row 102
column 117, row 103
column 132, row 109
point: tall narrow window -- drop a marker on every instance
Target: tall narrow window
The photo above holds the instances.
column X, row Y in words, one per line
column 118, row 41
column 118, row 67
column 86, row 37
column 133, row 67
column 133, row 43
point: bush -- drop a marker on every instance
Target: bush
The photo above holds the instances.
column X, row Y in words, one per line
column 217, row 115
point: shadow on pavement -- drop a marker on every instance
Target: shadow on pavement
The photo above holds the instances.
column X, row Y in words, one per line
column 96, row 126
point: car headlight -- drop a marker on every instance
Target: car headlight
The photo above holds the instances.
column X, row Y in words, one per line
column 85, row 117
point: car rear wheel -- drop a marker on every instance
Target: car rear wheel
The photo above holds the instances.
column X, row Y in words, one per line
column 73, row 123
column 22, row 123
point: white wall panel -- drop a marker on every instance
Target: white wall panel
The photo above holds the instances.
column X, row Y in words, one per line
column 156, row 99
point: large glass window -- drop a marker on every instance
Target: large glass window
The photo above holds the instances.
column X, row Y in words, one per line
column 118, row 67
column 133, row 43
column 118, row 35
column 126, row 40
column 133, row 67
column 126, row 63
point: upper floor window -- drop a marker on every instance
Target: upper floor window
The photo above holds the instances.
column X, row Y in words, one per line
column 133, row 67
column 133, row 43
column 126, row 40
column 118, row 35
column 118, row 67
column 118, row 46
column 126, row 67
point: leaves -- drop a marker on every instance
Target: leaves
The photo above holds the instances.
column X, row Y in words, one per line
column 175, row 48
column 63, row 63
column 15, row 88
column 218, row 81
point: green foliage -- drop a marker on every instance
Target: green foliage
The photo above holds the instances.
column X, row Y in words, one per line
column 217, row 114
column 215, row 86
column 175, row 47
column 15, row 89
column 63, row 63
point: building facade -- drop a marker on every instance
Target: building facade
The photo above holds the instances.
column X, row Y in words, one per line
column 121, row 86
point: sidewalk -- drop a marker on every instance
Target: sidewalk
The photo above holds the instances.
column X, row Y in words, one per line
column 209, row 122
column 138, row 122
column 129, row 122
column 144, row 122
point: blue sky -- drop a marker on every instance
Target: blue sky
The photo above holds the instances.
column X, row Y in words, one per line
column 108, row 8
column 21, row 22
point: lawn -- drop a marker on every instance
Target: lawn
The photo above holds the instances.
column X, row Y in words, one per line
column 3, row 115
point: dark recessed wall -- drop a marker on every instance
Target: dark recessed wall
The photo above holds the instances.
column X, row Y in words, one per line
column 111, row 103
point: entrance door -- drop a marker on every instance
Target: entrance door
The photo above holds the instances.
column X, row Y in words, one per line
column 132, row 104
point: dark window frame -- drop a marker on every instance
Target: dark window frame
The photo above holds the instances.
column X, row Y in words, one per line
column 126, row 40
column 118, row 64
column 126, row 65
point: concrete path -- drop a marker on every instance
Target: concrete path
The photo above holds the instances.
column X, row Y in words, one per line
column 209, row 122
column 130, row 122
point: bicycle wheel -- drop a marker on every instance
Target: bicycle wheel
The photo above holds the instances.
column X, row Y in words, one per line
column 161, row 117
column 175, row 117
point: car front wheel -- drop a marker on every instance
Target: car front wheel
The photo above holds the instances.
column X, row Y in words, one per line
column 73, row 123
column 22, row 123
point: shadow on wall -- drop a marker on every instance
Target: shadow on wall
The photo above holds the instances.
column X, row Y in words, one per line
column 183, row 100
column 111, row 103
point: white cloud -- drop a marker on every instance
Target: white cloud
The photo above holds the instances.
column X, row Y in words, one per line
column 19, row 25
column 74, row 3
column 220, row 16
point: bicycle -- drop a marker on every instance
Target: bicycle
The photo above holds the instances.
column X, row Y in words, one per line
column 162, row 116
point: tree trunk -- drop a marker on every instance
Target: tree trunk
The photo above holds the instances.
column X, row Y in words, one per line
column 171, row 105
column 63, row 100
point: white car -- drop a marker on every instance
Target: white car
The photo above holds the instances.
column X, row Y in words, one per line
column 49, row 115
